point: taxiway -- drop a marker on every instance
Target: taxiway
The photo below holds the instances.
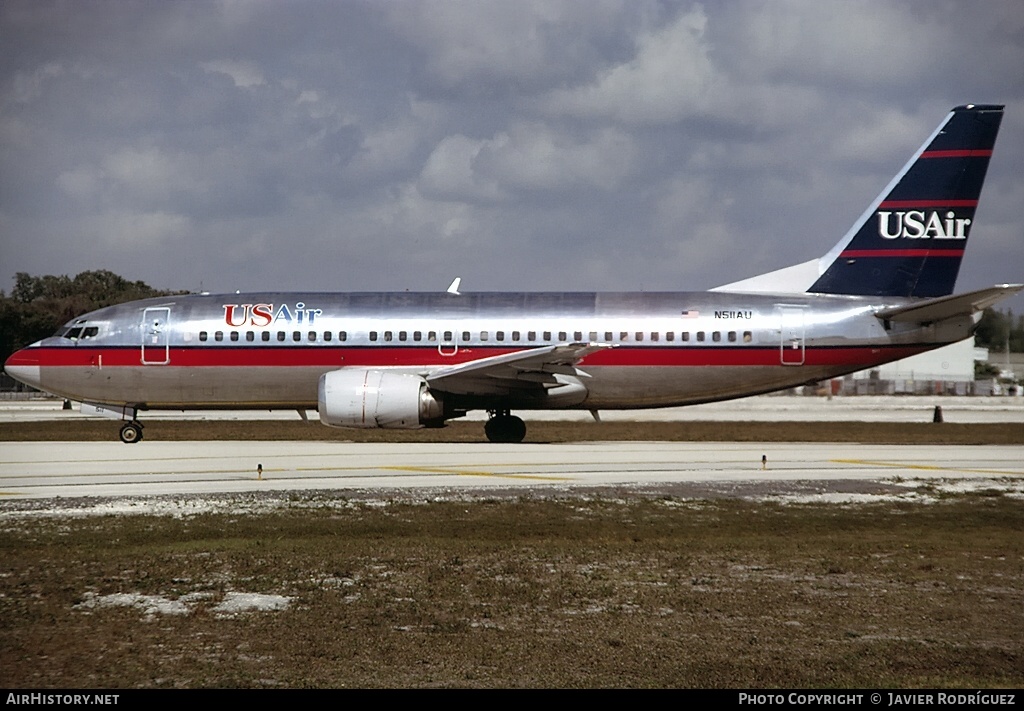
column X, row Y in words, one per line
column 105, row 469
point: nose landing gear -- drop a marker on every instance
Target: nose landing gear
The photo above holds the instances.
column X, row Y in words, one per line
column 504, row 427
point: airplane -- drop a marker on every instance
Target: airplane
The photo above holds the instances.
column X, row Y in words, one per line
column 409, row 360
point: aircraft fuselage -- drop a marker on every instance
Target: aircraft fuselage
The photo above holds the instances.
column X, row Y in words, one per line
column 268, row 350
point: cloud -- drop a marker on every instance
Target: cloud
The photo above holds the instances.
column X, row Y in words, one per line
column 499, row 48
column 543, row 144
column 28, row 86
column 134, row 230
column 243, row 74
column 450, row 173
column 528, row 158
column 670, row 77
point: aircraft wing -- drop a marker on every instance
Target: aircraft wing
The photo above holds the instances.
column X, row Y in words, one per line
column 536, row 368
column 949, row 306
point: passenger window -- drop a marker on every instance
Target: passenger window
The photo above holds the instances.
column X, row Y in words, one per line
column 373, row 335
column 266, row 335
column 218, row 336
column 639, row 336
column 465, row 336
column 417, row 335
column 280, row 336
column 515, row 335
column 202, row 335
column 593, row 336
column 700, row 335
column 531, row 335
column 388, row 335
column 623, row 336
column 234, row 335
column 296, row 336
column 684, row 336
column 342, row 335
column 483, row 335
column 547, row 335
column 607, row 336
column 327, row 335
column 716, row 336
column 499, row 335
column 670, row 335
column 732, row 336
column 403, row 335
column 250, row 336
column 311, row 336
column 747, row 336
column 654, row 335
column 577, row 336
column 447, row 335
column 432, row 336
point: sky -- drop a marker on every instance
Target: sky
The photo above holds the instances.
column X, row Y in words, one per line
column 519, row 144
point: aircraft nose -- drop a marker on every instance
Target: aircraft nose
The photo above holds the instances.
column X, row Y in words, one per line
column 23, row 366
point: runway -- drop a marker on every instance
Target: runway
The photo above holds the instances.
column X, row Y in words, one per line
column 33, row 470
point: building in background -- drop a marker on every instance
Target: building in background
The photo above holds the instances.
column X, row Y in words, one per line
column 943, row 371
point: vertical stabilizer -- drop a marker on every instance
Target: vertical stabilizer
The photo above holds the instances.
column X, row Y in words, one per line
column 912, row 238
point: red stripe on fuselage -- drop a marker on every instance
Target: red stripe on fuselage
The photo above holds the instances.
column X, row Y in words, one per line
column 330, row 357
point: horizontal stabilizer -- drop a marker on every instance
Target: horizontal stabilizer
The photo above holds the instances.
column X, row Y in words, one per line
column 944, row 307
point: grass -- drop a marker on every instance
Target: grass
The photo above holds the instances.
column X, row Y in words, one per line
column 636, row 591
column 565, row 590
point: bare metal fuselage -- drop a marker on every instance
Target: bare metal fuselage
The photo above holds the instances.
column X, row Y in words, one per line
column 269, row 350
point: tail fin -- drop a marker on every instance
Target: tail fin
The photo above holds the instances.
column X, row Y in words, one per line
column 911, row 240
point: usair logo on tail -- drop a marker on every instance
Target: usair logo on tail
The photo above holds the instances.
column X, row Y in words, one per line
column 917, row 224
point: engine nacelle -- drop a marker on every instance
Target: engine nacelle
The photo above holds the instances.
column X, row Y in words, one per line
column 376, row 398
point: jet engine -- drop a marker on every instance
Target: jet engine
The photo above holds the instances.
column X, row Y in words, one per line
column 377, row 398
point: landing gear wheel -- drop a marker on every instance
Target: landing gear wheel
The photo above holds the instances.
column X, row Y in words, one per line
column 505, row 428
column 131, row 433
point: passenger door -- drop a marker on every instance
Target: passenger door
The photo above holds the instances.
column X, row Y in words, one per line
column 791, row 342
column 155, row 345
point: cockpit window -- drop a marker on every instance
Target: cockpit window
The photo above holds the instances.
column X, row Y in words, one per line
column 77, row 330
column 70, row 330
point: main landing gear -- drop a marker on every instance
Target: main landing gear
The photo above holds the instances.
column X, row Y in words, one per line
column 131, row 432
column 504, row 427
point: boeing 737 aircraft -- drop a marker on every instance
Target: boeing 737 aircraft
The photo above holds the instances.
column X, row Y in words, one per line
column 409, row 360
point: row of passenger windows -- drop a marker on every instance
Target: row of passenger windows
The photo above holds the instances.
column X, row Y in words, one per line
column 297, row 336
column 485, row 336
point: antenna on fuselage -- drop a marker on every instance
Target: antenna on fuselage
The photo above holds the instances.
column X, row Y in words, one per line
column 454, row 288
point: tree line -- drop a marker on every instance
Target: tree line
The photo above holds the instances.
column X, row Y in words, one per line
column 39, row 305
column 997, row 327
